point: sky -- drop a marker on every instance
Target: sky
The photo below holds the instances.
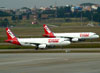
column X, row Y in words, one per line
column 42, row 3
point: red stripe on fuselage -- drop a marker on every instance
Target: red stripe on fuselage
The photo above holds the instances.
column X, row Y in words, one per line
column 53, row 40
column 84, row 35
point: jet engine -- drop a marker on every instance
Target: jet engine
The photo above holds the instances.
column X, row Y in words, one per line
column 42, row 46
column 75, row 39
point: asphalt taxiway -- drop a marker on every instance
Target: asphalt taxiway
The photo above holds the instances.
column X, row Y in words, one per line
column 50, row 63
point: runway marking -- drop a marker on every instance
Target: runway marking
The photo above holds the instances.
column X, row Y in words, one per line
column 15, row 62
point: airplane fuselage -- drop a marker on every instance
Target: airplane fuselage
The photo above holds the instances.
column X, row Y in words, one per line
column 79, row 35
column 47, row 41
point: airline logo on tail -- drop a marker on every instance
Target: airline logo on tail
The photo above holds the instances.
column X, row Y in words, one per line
column 48, row 32
column 10, row 34
column 11, row 38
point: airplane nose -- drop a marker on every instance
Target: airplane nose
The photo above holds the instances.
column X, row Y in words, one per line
column 97, row 36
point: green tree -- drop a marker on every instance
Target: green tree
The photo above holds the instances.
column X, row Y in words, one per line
column 4, row 23
column 3, row 14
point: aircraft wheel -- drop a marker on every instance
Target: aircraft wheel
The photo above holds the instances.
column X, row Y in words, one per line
column 36, row 48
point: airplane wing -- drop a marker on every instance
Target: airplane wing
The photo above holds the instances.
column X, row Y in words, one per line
column 39, row 45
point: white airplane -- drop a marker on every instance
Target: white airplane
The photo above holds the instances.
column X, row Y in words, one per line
column 38, row 42
column 74, row 37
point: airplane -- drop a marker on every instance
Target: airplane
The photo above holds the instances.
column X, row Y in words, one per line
column 73, row 37
column 37, row 42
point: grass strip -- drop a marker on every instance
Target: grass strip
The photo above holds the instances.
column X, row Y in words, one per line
column 83, row 51
column 35, row 51
column 94, row 45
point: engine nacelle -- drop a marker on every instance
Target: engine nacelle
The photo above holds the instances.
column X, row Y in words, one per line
column 75, row 39
column 42, row 46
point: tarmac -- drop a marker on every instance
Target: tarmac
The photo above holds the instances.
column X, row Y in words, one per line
column 50, row 63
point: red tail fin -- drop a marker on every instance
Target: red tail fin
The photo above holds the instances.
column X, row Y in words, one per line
column 10, row 35
column 11, row 38
column 47, row 31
